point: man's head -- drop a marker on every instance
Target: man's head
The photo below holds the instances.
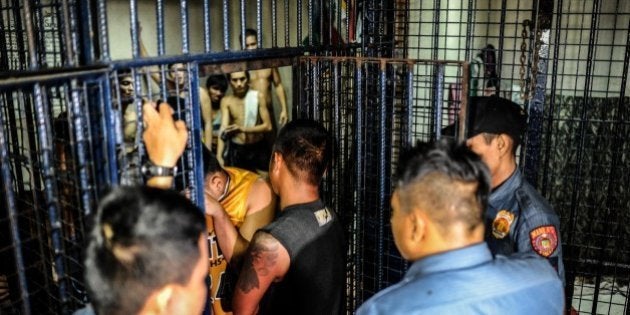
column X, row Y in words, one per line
column 495, row 129
column 239, row 81
column 125, row 83
column 147, row 251
column 251, row 39
column 215, row 177
column 178, row 73
column 439, row 200
column 216, row 86
column 304, row 147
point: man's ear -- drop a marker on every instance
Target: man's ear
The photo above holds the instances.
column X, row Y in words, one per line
column 504, row 143
column 216, row 180
column 277, row 161
column 418, row 222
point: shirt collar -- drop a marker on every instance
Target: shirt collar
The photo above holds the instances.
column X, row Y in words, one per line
column 451, row 260
column 507, row 188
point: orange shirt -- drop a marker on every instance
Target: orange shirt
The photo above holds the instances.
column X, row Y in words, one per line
column 235, row 204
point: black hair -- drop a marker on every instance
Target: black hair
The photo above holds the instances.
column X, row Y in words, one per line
column 229, row 75
column 210, row 163
column 306, row 148
column 217, row 80
column 124, row 72
column 142, row 239
column 448, row 179
column 248, row 32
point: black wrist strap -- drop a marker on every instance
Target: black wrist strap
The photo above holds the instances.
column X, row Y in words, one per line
column 149, row 169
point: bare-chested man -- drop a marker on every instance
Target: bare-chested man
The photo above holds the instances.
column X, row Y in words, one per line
column 261, row 81
column 244, row 121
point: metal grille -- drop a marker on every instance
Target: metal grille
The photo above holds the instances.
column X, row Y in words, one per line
column 373, row 107
column 584, row 150
column 62, row 116
column 49, row 177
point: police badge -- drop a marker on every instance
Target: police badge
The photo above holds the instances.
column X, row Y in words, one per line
column 501, row 224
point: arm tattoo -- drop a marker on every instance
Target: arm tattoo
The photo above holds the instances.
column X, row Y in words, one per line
column 261, row 257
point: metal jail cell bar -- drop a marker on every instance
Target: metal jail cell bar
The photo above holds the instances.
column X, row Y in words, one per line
column 582, row 107
column 385, row 104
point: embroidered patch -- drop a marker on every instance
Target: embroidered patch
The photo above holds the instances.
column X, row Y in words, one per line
column 323, row 216
column 544, row 240
column 501, row 224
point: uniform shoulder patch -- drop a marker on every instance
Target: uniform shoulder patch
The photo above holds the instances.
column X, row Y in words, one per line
column 544, row 240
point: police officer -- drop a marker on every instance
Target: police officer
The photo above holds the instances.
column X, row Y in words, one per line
column 437, row 222
column 518, row 219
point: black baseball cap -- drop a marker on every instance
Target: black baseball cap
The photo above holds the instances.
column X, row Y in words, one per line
column 493, row 114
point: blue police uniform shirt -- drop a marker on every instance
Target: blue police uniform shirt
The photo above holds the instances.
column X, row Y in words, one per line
column 470, row 280
column 520, row 220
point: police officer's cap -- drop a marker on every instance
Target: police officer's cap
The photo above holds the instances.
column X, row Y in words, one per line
column 493, row 114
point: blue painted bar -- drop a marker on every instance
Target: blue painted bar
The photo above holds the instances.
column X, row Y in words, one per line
column 133, row 23
column 436, row 29
column 359, row 174
column 383, row 163
column 244, row 23
column 159, row 16
column 86, row 43
column 315, row 83
column 310, row 23
column 195, row 130
column 499, row 48
column 410, row 104
column 7, row 187
column 206, row 26
column 226, row 25
column 161, row 47
column 217, row 57
column 299, row 23
column 111, row 137
column 82, row 146
column 274, row 23
column 469, row 27
column 102, row 30
column 69, row 34
column 30, row 36
column 50, row 188
column 183, row 6
column 438, row 94
column 535, row 121
column 259, row 25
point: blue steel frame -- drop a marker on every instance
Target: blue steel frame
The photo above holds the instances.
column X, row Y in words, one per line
column 542, row 11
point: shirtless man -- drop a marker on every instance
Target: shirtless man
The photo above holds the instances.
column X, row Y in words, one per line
column 261, row 81
column 216, row 85
column 244, row 122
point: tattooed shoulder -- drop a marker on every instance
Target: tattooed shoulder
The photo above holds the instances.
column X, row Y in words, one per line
column 260, row 261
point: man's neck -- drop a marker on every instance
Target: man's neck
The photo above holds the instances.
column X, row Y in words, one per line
column 504, row 172
column 298, row 194
column 241, row 95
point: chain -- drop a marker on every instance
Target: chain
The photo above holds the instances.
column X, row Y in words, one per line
column 523, row 59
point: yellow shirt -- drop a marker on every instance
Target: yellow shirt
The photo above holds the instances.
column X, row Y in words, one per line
column 235, row 204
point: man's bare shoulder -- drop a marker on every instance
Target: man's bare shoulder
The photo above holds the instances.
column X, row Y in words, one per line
column 261, row 73
column 260, row 195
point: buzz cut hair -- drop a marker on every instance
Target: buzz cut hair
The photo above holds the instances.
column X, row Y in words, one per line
column 142, row 239
column 445, row 179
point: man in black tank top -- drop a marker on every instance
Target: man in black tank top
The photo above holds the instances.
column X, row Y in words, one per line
column 300, row 255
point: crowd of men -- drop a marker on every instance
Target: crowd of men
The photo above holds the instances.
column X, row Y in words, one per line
column 480, row 239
